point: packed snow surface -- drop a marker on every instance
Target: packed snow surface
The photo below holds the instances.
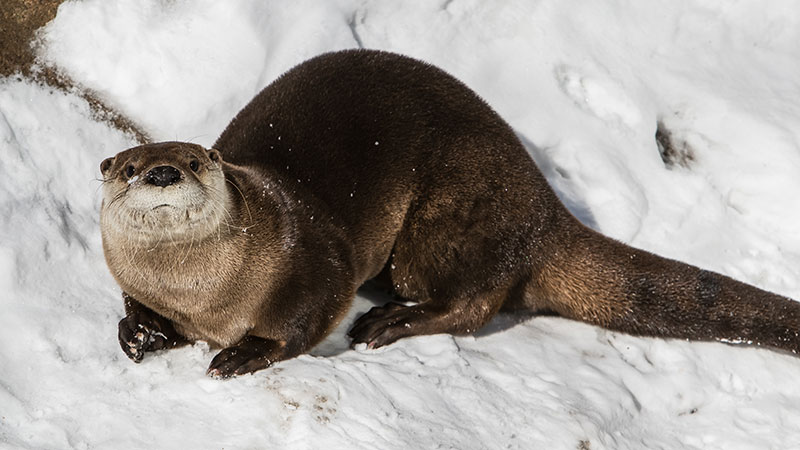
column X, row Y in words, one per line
column 584, row 84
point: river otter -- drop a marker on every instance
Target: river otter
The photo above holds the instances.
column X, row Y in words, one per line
column 363, row 164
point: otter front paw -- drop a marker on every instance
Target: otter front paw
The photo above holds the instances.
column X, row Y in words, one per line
column 251, row 354
column 145, row 331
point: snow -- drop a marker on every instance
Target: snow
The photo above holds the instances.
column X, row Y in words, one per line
column 584, row 85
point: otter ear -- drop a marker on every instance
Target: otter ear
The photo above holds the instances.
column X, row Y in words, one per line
column 106, row 164
column 214, row 155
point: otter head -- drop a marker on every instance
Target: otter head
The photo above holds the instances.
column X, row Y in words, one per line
column 171, row 192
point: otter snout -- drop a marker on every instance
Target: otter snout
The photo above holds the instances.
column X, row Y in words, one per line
column 163, row 176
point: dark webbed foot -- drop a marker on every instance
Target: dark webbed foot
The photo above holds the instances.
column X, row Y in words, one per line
column 251, row 354
column 383, row 325
column 144, row 331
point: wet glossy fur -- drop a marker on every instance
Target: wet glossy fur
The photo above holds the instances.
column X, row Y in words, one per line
column 359, row 163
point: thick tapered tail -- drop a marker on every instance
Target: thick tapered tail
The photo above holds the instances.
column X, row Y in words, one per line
column 607, row 283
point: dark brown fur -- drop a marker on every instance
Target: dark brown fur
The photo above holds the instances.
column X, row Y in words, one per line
column 385, row 164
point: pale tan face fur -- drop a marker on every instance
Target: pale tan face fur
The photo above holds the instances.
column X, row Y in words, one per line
column 167, row 243
column 137, row 209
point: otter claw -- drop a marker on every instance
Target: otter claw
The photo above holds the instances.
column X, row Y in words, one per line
column 251, row 354
column 141, row 332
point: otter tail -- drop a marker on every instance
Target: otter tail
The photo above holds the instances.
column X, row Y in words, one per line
column 606, row 283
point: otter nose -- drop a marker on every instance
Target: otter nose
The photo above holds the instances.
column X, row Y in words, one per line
column 163, row 175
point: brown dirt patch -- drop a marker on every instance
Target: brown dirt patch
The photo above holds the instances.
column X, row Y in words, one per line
column 19, row 20
column 674, row 151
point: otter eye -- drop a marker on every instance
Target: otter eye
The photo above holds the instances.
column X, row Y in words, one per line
column 194, row 165
column 129, row 171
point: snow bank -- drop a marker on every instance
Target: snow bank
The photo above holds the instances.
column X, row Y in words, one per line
column 182, row 68
column 583, row 83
